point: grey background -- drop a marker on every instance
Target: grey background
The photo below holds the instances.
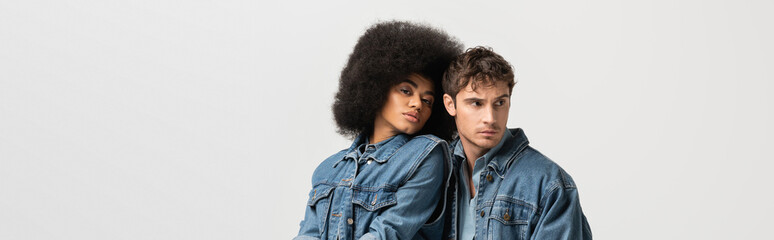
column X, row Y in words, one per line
column 205, row 119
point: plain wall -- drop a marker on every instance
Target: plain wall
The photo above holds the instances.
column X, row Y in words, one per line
column 205, row 119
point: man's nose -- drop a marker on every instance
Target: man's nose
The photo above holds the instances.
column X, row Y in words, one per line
column 488, row 115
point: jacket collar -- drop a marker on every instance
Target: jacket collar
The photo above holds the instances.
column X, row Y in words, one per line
column 511, row 147
column 501, row 156
column 383, row 150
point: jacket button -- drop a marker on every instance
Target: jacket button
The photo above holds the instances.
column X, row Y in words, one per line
column 350, row 221
column 489, row 177
column 482, row 213
column 506, row 217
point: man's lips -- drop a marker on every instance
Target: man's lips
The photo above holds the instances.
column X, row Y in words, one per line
column 488, row 133
column 411, row 117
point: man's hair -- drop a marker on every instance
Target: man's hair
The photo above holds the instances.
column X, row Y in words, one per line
column 384, row 56
column 478, row 66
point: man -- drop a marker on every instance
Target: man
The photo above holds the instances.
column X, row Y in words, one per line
column 505, row 189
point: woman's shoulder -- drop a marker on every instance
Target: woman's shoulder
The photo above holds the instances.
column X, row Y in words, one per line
column 426, row 152
column 327, row 167
column 428, row 137
column 426, row 141
column 424, row 146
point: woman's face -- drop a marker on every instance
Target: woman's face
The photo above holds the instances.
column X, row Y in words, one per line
column 407, row 109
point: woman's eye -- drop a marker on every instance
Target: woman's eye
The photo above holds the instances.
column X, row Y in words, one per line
column 405, row 91
column 427, row 101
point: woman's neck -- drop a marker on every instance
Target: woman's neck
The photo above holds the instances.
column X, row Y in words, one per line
column 378, row 136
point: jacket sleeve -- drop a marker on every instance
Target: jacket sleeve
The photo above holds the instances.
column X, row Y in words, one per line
column 416, row 201
column 561, row 216
column 309, row 228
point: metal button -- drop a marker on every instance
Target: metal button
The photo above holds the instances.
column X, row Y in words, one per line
column 489, row 177
column 506, row 217
column 369, row 161
column 482, row 213
column 350, row 221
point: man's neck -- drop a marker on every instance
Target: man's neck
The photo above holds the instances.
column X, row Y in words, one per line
column 472, row 158
column 472, row 153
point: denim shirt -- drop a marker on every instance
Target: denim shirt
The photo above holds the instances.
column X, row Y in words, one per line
column 520, row 194
column 389, row 190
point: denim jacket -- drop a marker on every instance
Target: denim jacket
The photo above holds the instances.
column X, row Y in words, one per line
column 521, row 194
column 389, row 190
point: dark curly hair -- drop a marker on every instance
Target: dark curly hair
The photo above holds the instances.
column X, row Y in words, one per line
column 384, row 56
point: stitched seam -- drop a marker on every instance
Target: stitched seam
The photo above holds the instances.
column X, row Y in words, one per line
column 415, row 162
column 377, row 206
column 385, row 187
column 552, row 189
column 566, row 180
column 509, row 199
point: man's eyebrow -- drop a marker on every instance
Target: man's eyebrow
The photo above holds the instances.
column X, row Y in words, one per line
column 504, row 96
column 472, row 99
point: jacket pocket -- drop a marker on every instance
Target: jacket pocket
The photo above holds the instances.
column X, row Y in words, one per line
column 375, row 199
column 320, row 200
column 509, row 218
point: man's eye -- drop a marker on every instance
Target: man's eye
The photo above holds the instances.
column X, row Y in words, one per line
column 500, row 103
column 476, row 104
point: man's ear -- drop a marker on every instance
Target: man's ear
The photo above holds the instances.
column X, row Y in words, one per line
column 448, row 102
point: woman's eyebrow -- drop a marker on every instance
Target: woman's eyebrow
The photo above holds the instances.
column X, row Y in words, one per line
column 411, row 82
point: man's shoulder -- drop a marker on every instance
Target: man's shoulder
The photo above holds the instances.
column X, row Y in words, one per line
column 531, row 163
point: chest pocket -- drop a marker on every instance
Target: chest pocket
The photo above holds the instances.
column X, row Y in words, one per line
column 374, row 200
column 320, row 200
column 509, row 218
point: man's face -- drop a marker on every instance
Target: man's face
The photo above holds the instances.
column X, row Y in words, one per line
column 481, row 115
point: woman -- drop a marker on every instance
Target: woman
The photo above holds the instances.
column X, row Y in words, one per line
column 388, row 183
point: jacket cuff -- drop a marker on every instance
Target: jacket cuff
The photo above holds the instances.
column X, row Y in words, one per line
column 369, row 236
column 305, row 238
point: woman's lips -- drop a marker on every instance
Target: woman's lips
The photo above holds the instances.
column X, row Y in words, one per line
column 411, row 117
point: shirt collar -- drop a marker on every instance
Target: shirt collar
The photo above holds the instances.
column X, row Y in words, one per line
column 381, row 152
column 499, row 157
column 459, row 152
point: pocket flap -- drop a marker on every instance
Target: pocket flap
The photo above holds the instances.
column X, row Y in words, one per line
column 374, row 200
column 510, row 211
column 319, row 192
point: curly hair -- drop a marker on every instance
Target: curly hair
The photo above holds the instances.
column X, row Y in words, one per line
column 384, row 56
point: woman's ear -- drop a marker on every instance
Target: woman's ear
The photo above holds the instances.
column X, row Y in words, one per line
column 448, row 102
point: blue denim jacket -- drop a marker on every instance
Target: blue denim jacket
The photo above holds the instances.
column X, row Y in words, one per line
column 389, row 190
column 521, row 194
